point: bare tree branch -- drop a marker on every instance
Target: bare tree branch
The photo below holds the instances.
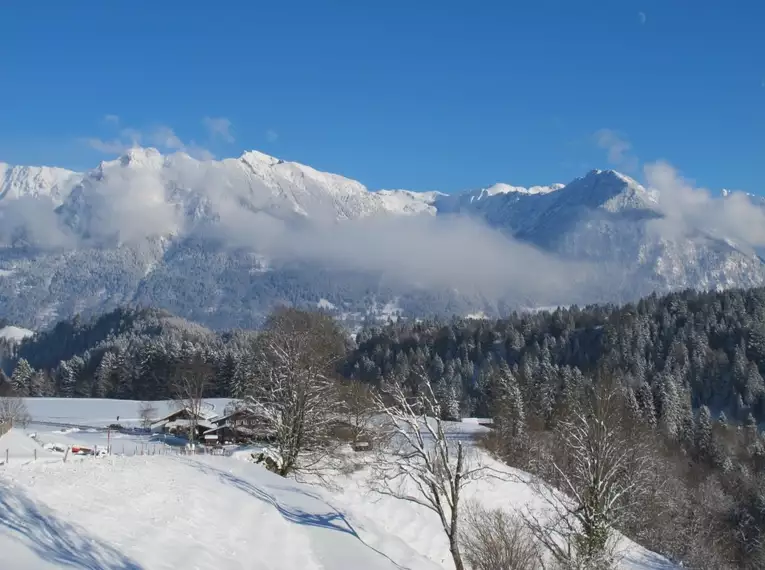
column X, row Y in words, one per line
column 422, row 465
column 190, row 384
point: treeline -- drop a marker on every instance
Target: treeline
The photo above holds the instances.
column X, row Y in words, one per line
column 675, row 354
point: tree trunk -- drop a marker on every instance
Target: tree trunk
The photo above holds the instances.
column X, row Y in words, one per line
column 455, row 550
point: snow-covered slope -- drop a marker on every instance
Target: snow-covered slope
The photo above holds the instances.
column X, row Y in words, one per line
column 221, row 242
column 167, row 511
column 15, row 334
column 164, row 513
column 36, row 181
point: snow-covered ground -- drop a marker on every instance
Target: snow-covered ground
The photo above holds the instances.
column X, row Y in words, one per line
column 210, row 512
column 84, row 422
column 15, row 334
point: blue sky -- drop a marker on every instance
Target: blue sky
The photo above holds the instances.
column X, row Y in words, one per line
column 398, row 94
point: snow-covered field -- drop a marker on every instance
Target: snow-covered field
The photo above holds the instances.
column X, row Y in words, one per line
column 14, row 334
column 209, row 512
column 83, row 422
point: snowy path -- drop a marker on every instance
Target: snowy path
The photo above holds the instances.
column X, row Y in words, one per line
column 156, row 513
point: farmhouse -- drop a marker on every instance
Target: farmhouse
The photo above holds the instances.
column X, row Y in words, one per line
column 180, row 421
column 238, row 426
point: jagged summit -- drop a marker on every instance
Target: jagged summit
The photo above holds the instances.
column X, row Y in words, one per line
column 255, row 156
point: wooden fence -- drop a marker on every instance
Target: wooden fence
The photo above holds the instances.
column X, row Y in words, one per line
column 5, row 427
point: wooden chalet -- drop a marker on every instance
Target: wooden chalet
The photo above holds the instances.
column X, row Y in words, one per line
column 180, row 421
column 239, row 426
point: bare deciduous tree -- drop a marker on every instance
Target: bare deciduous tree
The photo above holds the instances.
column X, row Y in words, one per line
column 294, row 391
column 602, row 473
column 497, row 540
column 358, row 410
column 423, row 465
column 147, row 411
column 190, row 384
column 13, row 411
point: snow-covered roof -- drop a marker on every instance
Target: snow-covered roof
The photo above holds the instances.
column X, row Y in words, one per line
column 187, row 423
column 203, row 414
column 240, row 429
column 245, row 411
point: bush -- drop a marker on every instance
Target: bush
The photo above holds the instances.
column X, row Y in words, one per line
column 497, row 540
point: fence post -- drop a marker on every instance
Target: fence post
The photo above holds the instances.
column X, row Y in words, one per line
column 6, row 457
column 35, row 455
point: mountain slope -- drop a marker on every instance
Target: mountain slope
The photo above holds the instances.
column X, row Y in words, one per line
column 33, row 181
column 221, row 242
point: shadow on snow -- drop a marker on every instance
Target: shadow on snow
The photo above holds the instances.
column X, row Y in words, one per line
column 54, row 540
column 332, row 520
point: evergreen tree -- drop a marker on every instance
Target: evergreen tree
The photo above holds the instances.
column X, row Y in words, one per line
column 704, row 433
column 103, row 385
column 670, row 408
column 21, row 379
column 509, row 412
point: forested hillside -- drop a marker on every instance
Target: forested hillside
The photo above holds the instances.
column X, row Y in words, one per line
column 676, row 352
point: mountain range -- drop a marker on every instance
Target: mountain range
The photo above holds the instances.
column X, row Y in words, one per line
column 221, row 242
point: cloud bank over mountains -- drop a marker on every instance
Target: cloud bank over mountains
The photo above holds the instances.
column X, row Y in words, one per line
column 602, row 237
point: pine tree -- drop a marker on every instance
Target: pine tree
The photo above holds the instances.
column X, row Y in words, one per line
column 21, row 379
column 509, row 412
column 66, row 380
column 740, row 367
column 704, row 433
column 631, row 403
column 670, row 411
column 437, row 369
column 750, row 430
column 754, row 387
column 41, row 385
column 102, row 384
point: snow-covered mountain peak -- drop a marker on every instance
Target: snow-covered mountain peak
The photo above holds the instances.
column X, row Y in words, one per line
column 502, row 188
column 255, row 157
column 36, row 182
column 140, row 156
column 136, row 157
column 609, row 190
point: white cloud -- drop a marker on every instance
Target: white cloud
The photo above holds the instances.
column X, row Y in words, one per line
column 33, row 220
column 111, row 119
column 641, row 17
column 165, row 137
column 130, row 205
column 271, row 135
column 618, row 148
column 162, row 137
column 688, row 209
column 219, row 128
